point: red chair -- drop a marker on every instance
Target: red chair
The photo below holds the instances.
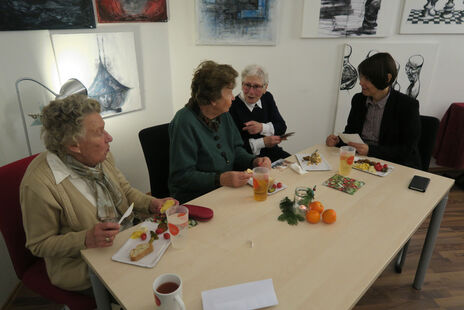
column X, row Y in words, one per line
column 29, row 269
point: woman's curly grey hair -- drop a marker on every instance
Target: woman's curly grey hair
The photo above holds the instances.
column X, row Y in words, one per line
column 255, row 70
column 62, row 121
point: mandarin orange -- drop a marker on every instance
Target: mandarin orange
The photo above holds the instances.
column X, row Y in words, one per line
column 316, row 205
column 313, row 217
column 329, row 216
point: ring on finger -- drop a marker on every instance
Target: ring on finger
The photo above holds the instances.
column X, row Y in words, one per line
column 107, row 239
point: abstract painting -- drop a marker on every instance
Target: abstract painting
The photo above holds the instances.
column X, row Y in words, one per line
column 46, row 14
column 231, row 22
column 118, row 11
column 433, row 16
column 347, row 18
column 105, row 63
column 415, row 64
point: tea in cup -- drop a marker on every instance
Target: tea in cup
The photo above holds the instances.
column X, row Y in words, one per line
column 167, row 290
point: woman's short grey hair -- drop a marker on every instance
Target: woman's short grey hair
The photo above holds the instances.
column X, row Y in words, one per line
column 62, row 121
column 255, row 70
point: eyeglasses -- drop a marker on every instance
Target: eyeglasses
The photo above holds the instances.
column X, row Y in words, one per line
column 254, row 86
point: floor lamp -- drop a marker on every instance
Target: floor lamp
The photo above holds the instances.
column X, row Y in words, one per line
column 72, row 86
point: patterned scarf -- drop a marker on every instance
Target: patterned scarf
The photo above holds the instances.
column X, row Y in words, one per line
column 106, row 194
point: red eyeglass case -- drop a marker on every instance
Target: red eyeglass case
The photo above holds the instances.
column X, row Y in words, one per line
column 199, row 213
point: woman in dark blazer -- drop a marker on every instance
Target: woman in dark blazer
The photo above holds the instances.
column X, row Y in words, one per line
column 387, row 121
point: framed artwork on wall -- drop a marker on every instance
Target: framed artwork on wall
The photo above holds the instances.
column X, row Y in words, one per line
column 415, row 63
column 106, row 64
column 122, row 11
column 46, row 14
column 432, row 16
column 352, row 18
column 231, row 22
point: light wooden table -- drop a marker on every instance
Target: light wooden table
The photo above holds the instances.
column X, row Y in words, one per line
column 313, row 266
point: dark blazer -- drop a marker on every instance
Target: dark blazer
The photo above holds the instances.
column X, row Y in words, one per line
column 268, row 113
column 399, row 131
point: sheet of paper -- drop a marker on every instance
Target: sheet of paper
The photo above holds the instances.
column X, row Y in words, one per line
column 350, row 137
column 251, row 295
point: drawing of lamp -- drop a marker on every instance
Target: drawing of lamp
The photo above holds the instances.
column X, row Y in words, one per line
column 72, row 86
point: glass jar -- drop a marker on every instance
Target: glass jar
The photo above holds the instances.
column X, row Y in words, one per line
column 303, row 197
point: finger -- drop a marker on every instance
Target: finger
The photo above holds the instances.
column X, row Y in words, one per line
column 110, row 226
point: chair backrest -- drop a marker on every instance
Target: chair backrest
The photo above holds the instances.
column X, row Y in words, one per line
column 429, row 129
column 155, row 146
column 11, row 222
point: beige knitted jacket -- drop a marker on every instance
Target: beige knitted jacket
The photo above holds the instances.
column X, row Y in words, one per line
column 56, row 218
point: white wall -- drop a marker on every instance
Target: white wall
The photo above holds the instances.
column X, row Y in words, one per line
column 304, row 78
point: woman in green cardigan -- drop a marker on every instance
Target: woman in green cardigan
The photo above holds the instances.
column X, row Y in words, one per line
column 206, row 149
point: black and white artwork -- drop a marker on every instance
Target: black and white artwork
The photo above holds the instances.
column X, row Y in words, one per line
column 433, row 16
column 232, row 22
column 46, row 14
column 347, row 18
column 106, row 64
column 415, row 64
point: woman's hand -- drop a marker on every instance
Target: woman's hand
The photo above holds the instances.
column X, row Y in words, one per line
column 101, row 235
column 270, row 141
column 234, row 178
column 253, row 127
column 262, row 162
column 157, row 203
column 332, row 140
column 361, row 148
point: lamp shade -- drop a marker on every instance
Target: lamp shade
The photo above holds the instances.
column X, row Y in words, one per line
column 71, row 87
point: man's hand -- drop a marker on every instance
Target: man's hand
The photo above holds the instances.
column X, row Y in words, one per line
column 101, row 235
column 157, row 203
column 332, row 140
column 262, row 162
column 270, row 141
column 234, row 178
column 361, row 148
column 253, row 127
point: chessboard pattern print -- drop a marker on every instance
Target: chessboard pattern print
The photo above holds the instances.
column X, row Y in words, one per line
column 455, row 17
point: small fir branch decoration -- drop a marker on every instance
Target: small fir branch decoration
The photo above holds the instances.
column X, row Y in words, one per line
column 288, row 211
column 286, row 206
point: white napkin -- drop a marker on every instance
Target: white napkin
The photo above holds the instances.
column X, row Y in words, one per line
column 295, row 167
column 353, row 137
column 251, row 295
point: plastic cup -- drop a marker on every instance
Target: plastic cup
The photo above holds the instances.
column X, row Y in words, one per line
column 346, row 159
column 177, row 217
column 260, row 183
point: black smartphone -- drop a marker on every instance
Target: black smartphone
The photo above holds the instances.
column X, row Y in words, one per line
column 419, row 183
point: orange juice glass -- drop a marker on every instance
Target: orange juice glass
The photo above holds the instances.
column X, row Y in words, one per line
column 260, row 183
column 346, row 159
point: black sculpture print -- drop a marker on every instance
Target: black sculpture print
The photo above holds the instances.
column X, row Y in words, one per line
column 396, row 86
column 105, row 87
column 46, row 14
column 413, row 68
column 429, row 14
column 349, row 73
column 349, row 17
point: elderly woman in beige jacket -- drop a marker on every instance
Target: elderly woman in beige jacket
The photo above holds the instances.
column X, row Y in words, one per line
column 69, row 192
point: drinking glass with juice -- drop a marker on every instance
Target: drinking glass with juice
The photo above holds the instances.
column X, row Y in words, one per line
column 260, row 183
column 346, row 159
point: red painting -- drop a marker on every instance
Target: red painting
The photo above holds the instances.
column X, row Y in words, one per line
column 121, row 11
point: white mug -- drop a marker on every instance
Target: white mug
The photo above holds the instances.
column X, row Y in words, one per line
column 167, row 290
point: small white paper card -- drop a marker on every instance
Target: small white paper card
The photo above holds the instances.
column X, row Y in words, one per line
column 251, row 295
column 351, row 137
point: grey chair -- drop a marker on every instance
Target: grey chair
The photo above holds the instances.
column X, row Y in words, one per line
column 155, row 146
column 429, row 130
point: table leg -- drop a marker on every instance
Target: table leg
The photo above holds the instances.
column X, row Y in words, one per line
column 429, row 243
column 100, row 292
